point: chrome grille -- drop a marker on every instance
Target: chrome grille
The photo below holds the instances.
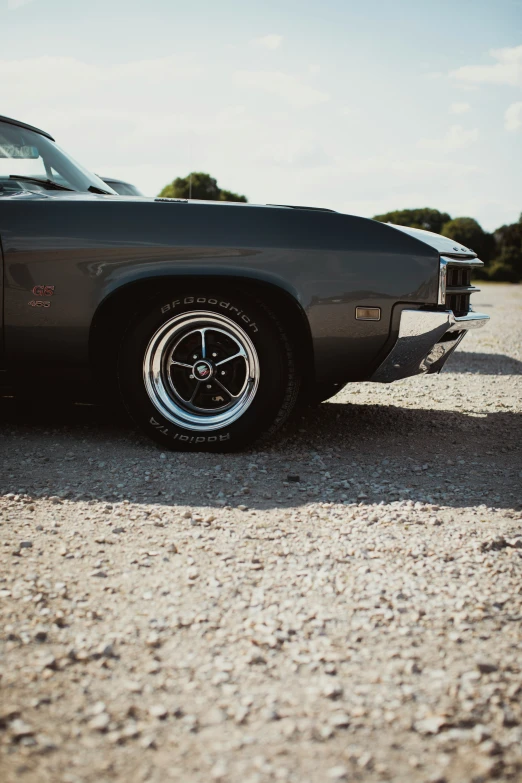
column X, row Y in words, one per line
column 458, row 288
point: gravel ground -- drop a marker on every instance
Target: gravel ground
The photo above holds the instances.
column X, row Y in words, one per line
column 343, row 606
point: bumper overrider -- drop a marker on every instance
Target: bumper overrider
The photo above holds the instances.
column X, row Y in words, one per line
column 427, row 338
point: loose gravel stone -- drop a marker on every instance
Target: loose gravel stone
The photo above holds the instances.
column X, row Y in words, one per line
column 20, row 729
column 338, row 773
column 99, row 722
column 158, row 711
column 341, row 604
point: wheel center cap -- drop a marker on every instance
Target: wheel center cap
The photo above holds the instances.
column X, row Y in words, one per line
column 202, row 370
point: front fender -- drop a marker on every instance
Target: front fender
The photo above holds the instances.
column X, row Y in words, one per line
column 328, row 262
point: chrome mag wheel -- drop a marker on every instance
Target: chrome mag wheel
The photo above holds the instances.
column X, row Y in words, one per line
column 201, row 371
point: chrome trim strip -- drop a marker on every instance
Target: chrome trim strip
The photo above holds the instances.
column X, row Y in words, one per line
column 418, row 348
column 462, row 261
column 461, row 289
column 443, row 276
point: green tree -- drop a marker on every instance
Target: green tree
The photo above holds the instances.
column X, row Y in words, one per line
column 199, row 185
column 228, row 195
column 425, row 217
column 469, row 233
column 507, row 264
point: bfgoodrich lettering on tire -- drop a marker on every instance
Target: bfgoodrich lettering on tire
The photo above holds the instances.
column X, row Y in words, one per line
column 207, row 370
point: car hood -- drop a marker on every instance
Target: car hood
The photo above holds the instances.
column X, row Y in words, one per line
column 438, row 242
column 442, row 245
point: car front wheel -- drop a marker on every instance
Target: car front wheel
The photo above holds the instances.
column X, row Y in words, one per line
column 208, row 370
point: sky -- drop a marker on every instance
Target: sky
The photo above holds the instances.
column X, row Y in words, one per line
column 362, row 107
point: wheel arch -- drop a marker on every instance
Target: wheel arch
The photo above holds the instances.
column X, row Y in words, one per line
column 108, row 327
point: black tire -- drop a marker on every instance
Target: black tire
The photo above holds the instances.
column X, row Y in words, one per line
column 177, row 405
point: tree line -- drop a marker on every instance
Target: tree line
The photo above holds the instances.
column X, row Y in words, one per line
column 501, row 250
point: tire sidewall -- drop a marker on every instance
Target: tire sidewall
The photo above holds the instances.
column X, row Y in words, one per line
column 275, row 364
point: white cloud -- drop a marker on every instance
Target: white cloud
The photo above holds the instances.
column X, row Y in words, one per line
column 284, row 85
column 513, row 117
column 408, row 169
column 314, row 68
column 269, row 41
column 455, row 138
column 12, row 5
column 353, row 112
column 459, row 108
column 507, row 69
column 80, row 82
column 294, row 151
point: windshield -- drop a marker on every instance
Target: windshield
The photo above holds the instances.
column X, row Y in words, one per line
column 28, row 154
column 123, row 188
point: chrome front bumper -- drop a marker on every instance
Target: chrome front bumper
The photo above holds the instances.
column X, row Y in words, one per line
column 426, row 340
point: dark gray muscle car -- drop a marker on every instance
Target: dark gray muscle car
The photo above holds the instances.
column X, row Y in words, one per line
column 210, row 319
